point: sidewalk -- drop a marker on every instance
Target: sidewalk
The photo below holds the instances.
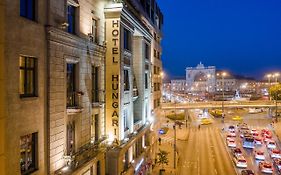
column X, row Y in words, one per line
column 168, row 145
column 277, row 129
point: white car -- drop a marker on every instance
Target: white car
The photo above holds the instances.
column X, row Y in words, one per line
column 254, row 131
column 271, row 144
column 231, row 128
column 231, row 143
column 259, row 155
column 232, row 133
column 275, row 153
column 229, row 137
column 240, row 161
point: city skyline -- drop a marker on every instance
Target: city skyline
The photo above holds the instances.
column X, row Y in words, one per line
column 223, row 34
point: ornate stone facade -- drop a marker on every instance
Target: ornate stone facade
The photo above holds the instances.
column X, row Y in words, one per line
column 201, row 78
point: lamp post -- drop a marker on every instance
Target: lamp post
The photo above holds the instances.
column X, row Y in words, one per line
column 223, row 74
column 268, row 77
column 276, row 75
column 175, row 144
column 276, row 107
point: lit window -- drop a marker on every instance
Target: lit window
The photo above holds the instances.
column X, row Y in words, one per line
column 29, row 153
column 27, row 9
column 27, row 87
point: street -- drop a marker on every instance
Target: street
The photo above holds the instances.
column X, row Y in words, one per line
column 204, row 153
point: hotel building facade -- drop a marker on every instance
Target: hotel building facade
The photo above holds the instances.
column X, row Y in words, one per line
column 80, row 85
column 133, row 84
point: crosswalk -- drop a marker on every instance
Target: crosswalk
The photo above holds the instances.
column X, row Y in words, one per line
column 167, row 139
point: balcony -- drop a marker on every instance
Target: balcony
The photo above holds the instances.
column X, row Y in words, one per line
column 72, row 102
column 85, row 154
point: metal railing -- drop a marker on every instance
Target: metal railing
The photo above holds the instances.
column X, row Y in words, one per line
column 71, row 99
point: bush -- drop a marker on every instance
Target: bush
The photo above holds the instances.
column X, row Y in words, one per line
column 180, row 116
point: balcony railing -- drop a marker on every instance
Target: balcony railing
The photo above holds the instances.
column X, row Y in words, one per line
column 97, row 98
column 72, row 102
column 85, row 154
column 135, row 94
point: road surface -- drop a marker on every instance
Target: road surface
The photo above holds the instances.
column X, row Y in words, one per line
column 204, row 153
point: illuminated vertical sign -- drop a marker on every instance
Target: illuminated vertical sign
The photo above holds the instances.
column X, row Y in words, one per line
column 113, row 79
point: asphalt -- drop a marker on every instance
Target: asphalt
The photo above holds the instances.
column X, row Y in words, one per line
column 204, row 151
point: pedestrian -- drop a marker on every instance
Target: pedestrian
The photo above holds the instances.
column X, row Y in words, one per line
column 199, row 126
column 159, row 140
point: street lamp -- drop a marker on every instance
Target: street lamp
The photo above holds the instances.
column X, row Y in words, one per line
column 222, row 74
column 268, row 77
column 276, row 75
column 175, row 144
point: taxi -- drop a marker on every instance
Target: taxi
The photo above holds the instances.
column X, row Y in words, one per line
column 206, row 121
column 237, row 118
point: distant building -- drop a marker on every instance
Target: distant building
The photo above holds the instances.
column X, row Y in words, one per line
column 201, row 78
column 178, row 85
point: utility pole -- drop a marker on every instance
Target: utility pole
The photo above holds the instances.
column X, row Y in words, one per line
column 222, row 96
column 175, row 145
column 276, row 106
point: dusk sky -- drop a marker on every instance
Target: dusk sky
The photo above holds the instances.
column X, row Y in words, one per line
column 243, row 36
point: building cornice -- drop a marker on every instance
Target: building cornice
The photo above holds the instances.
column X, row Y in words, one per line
column 62, row 37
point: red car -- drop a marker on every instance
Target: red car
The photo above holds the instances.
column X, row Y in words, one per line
column 266, row 167
column 258, row 141
column 237, row 151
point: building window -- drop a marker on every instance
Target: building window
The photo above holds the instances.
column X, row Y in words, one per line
column 96, row 127
column 126, row 80
column 98, row 168
column 146, row 81
column 127, row 40
column 29, row 153
column 147, row 55
column 95, row 84
column 27, row 76
column 28, row 9
column 126, row 160
column 71, row 79
column 125, row 117
column 95, row 30
column 70, row 138
column 71, row 18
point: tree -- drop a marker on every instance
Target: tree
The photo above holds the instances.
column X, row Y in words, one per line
column 275, row 93
column 162, row 158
